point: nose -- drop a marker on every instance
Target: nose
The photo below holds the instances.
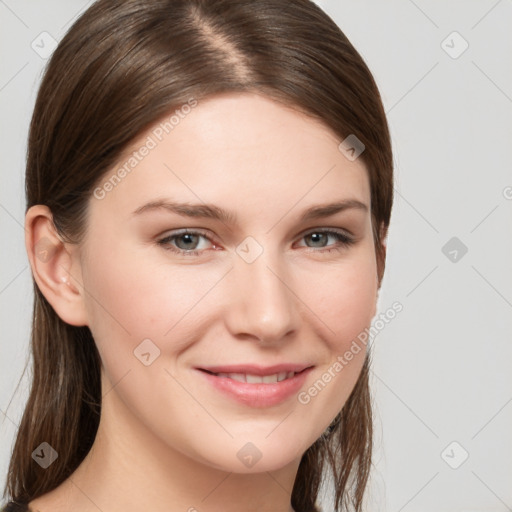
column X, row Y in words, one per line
column 262, row 305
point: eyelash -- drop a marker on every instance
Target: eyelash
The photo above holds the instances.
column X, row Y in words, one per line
column 344, row 241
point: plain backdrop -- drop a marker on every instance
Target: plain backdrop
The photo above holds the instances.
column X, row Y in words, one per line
column 441, row 378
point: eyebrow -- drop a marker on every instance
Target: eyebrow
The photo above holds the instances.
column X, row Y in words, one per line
column 210, row 211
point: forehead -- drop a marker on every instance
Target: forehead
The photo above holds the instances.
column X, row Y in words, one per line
column 242, row 149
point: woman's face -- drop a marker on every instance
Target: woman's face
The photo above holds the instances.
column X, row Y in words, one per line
column 261, row 285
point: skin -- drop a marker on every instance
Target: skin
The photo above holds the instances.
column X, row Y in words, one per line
column 167, row 439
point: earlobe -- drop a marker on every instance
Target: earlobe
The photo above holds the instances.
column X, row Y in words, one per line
column 55, row 266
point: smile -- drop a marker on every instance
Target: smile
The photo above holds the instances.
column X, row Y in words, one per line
column 257, row 379
column 257, row 391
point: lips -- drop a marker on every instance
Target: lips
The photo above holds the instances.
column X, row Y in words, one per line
column 257, row 379
column 257, row 386
column 251, row 369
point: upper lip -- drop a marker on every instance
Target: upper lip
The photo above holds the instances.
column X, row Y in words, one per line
column 253, row 369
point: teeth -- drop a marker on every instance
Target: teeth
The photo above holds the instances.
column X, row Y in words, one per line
column 254, row 379
column 258, row 379
column 240, row 377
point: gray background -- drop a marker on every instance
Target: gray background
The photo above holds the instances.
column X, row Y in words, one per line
column 441, row 372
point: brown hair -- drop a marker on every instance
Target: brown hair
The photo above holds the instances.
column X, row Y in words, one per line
column 122, row 66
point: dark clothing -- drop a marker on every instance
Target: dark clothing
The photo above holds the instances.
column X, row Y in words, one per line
column 15, row 507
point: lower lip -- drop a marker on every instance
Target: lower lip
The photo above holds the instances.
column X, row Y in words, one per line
column 258, row 395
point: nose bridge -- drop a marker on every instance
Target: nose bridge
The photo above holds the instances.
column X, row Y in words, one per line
column 262, row 304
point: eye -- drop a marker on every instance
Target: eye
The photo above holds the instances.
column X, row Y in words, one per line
column 320, row 237
column 186, row 242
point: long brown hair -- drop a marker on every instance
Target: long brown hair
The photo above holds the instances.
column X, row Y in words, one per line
column 122, row 66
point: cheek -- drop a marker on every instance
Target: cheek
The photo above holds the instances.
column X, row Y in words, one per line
column 130, row 298
column 344, row 301
column 344, row 298
column 128, row 291
column 130, row 302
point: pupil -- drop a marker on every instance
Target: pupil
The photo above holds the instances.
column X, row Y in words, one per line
column 317, row 236
column 189, row 238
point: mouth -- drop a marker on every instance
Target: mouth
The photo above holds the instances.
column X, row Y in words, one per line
column 256, row 386
column 255, row 379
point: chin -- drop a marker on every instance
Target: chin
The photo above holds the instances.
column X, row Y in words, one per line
column 253, row 454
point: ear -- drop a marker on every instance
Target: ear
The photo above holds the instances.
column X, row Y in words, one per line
column 55, row 266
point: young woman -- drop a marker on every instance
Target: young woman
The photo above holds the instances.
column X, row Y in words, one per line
column 209, row 188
